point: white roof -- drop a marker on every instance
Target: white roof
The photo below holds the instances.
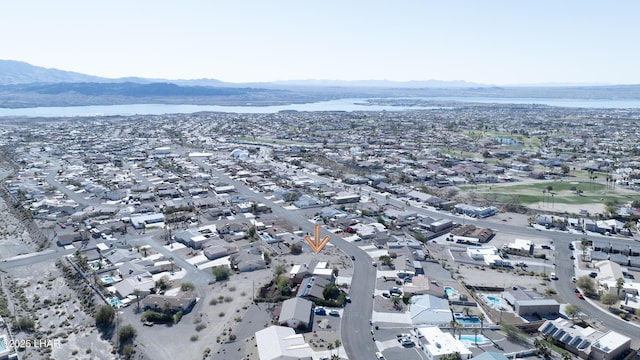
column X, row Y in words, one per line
column 438, row 343
column 611, row 341
column 279, row 342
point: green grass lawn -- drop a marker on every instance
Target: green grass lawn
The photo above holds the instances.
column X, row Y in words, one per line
column 564, row 193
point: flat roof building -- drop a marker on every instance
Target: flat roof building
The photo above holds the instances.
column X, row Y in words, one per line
column 436, row 343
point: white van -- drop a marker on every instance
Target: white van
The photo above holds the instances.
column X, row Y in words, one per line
column 379, row 356
column 553, row 276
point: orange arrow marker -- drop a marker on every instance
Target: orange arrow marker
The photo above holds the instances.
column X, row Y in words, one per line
column 316, row 244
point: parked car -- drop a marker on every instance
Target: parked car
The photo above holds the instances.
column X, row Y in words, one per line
column 334, row 313
column 395, row 290
column 386, row 294
column 353, row 257
column 379, row 356
column 320, row 311
column 579, row 295
column 593, row 274
column 406, row 342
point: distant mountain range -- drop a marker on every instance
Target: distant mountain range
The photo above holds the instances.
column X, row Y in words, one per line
column 26, row 85
column 17, row 72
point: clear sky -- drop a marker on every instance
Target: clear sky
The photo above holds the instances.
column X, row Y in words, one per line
column 484, row 41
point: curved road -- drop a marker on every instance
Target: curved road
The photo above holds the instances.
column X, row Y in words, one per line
column 355, row 327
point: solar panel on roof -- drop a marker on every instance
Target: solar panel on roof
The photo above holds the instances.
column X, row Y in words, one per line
column 558, row 334
column 583, row 344
column 546, row 327
column 575, row 341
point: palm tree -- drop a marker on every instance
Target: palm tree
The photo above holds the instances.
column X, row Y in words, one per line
column 396, row 303
column 171, row 263
column 136, row 292
column 619, row 285
column 330, row 348
column 475, row 332
column 481, row 318
column 466, row 311
column 337, row 344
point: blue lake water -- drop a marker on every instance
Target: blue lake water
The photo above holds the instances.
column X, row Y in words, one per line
column 349, row 104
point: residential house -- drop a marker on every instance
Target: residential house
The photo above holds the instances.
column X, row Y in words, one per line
column 296, row 313
column 183, row 301
column 527, row 302
column 282, row 343
column 429, row 310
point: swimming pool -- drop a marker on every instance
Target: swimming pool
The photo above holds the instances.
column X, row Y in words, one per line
column 115, row 302
column 108, row 280
column 468, row 320
column 472, row 339
column 450, row 291
column 494, row 300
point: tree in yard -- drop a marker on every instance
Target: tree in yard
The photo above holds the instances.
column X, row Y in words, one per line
column 137, row 292
column 541, row 348
column 251, row 232
column 330, row 292
column 187, row 286
column 609, row 299
column 221, row 273
column 386, row 260
column 280, row 269
column 126, row 334
column 396, row 303
column 451, row 356
column 104, row 316
column 572, row 310
column 619, row 285
column 163, row 283
column 295, row 249
column 585, row 283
